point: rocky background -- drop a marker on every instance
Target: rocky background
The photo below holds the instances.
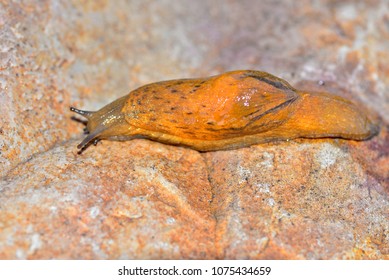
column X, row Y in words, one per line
column 303, row 199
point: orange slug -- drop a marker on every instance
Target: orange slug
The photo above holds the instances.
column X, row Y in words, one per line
column 232, row 110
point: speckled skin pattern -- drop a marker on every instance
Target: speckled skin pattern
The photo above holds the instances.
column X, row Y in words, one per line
column 232, row 110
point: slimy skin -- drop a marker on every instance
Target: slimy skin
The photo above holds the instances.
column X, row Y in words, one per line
column 228, row 111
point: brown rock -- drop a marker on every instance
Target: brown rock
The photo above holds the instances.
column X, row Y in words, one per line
column 304, row 199
column 145, row 201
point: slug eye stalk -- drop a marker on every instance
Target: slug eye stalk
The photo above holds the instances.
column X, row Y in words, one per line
column 81, row 112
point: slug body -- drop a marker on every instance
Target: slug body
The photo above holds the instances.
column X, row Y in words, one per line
column 231, row 110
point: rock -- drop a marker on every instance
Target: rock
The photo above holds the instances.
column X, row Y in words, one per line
column 297, row 200
column 302, row 199
column 145, row 201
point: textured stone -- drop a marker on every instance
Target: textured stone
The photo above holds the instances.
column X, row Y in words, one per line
column 146, row 200
column 303, row 199
column 297, row 200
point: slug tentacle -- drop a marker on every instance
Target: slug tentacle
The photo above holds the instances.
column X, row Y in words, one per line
column 81, row 112
column 232, row 110
column 105, row 123
column 89, row 138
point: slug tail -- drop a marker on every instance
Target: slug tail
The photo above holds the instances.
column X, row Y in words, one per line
column 323, row 115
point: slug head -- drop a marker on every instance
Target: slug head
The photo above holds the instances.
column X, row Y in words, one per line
column 108, row 122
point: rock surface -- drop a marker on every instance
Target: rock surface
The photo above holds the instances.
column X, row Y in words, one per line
column 303, row 199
